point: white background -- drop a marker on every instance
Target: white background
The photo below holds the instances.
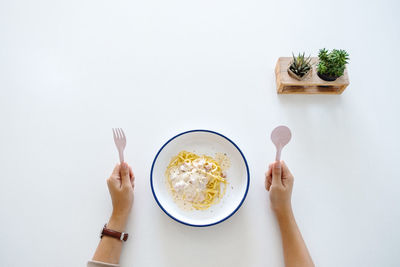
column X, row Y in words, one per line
column 71, row 70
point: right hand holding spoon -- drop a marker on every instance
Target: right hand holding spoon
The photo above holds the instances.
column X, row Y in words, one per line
column 279, row 180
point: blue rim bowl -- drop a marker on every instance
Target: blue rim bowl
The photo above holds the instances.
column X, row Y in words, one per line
column 200, row 225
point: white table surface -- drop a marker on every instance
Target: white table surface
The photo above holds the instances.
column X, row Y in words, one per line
column 71, row 70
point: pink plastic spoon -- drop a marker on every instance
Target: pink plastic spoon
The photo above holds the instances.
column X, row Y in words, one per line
column 280, row 136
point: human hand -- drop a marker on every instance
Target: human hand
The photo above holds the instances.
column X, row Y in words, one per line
column 279, row 183
column 121, row 184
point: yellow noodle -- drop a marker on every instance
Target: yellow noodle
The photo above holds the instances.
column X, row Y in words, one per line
column 213, row 188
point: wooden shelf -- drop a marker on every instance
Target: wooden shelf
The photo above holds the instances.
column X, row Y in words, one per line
column 310, row 85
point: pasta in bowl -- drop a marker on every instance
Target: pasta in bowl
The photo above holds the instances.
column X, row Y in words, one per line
column 199, row 178
column 196, row 182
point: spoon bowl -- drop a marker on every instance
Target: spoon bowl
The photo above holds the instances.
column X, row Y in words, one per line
column 280, row 136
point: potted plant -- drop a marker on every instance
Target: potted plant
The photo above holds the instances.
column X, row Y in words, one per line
column 331, row 64
column 300, row 67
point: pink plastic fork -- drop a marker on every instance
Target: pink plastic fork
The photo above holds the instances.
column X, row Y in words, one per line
column 120, row 142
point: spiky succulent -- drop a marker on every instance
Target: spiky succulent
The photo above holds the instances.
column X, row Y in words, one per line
column 300, row 65
column 332, row 63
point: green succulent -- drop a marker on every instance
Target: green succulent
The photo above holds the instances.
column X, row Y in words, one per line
column 332, row 63
column 300, row 65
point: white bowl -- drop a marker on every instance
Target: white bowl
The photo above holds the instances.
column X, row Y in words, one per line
column 208, row 143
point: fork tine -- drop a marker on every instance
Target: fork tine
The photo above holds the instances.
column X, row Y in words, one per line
column 119, row 133
column 116, row 133
column 115, row 137
column 123, row 134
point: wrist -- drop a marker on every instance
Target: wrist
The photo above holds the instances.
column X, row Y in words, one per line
column 117, row 222
column 283, row 212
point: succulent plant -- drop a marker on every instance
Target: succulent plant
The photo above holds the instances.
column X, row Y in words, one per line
column 332, row 63
column 300, row 65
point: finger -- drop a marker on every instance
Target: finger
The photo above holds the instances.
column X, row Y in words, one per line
column 269, row 172
column 268, row 177
column 115, row 172
column 132, row 176
column 285, row 170
column 112, row 183
column 277, row 174
column 115, row 177
column 287, row 176
column 124, row 172
column 268, row 181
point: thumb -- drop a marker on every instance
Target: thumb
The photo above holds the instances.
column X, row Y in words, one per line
column 125, row 174
column 112, row 184
column 277, row 173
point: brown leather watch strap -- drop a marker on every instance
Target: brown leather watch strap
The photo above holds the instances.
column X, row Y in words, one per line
column 108, row 232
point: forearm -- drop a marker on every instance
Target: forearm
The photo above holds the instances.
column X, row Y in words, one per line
column 109, row 248
column 294, row 249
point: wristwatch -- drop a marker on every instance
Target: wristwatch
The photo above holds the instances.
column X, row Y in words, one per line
column 115, row 234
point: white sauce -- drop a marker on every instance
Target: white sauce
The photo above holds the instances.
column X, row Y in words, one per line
column 189, row 180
